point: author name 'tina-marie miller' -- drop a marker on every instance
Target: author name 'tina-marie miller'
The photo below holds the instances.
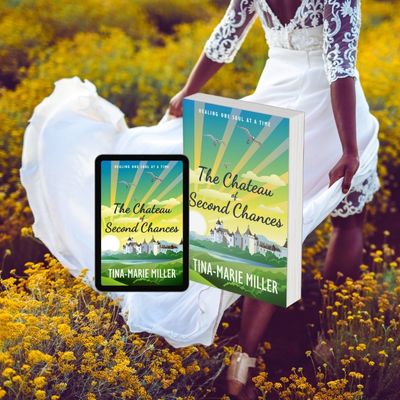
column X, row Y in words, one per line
column 142, row 273
column 230, row 274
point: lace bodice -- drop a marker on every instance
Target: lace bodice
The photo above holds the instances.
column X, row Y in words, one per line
column 330, row 25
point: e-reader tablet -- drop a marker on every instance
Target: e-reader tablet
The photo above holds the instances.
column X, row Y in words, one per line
column 141, row 228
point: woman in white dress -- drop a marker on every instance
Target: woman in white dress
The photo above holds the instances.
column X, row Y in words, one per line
column 310, row 67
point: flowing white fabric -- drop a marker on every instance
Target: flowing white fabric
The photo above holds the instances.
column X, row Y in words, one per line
column 74, row 124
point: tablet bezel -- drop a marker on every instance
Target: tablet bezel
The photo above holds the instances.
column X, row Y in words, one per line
column 185, row 221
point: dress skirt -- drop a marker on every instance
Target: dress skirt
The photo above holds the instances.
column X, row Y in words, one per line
column 74, row 124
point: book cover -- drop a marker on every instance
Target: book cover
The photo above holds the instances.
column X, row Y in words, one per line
column 141, row 217
column 245, row 197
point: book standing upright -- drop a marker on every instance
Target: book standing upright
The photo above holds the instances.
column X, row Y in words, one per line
column 245, row 196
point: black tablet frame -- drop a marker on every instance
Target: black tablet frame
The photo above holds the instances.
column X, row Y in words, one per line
column 185, row 221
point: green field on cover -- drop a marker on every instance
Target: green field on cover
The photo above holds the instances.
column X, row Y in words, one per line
column 154, row 274
column 269, row 259
column 169, row 255
column 106, row 281
column 264, row 283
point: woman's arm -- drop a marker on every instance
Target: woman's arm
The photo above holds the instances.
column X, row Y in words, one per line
column 344, row 109
column 342, row 21
column 201, row 73
column 220, row 48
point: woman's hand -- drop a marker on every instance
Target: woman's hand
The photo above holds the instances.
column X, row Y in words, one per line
column 175, row 104
column 346, row 167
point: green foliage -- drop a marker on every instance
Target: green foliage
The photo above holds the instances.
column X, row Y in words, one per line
column 166, row 15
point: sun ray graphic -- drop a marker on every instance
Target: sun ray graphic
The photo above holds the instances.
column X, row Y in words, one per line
column 114, row 180
column 135, row 182
column 264, row 134
column 198, row 137
column 226, row 138
column 284, row 146
column 170, row 187
column 157, row 183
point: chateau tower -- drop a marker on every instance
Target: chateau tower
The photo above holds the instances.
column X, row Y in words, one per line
column 238, row 238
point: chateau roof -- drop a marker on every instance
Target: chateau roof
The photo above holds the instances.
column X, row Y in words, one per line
column 268, row 246
column 237, row 230
column 248, row 232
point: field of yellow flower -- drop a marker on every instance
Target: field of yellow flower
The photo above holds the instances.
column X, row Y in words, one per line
column 61, row 340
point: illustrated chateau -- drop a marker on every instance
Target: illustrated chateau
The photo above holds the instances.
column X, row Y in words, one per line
column 246, row 241
column 154, row 246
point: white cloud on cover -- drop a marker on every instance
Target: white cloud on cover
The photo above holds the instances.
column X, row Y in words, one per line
column 215, row 194
column 270, row 179
column 169, row 202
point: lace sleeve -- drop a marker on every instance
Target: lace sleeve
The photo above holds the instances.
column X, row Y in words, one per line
column 342, row 21
column 229, row 34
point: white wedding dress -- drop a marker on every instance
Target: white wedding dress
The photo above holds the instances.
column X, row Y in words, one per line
column 74, row 124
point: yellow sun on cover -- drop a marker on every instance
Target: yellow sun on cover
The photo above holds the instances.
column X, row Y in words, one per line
column 110, row 242
column 197, row 223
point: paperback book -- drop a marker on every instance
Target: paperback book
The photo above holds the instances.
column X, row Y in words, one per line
column 245, row 196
